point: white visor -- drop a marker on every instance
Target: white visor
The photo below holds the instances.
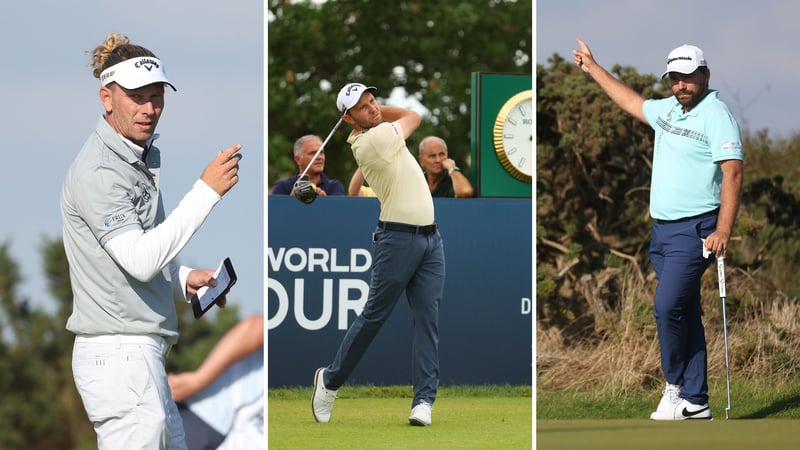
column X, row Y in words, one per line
column 135, row 73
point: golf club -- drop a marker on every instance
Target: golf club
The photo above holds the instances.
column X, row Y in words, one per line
column 319, row 150
column 723, row 295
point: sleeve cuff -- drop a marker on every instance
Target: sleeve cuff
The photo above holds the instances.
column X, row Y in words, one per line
column 178, row 277
column 205, row 191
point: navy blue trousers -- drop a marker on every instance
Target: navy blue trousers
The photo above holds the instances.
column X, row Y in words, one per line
column 401, row 261
column 676, row 253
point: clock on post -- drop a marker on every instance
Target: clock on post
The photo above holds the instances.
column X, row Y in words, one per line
column 513, row 136
column 502, row 134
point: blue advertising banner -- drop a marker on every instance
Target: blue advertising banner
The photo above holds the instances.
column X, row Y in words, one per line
column 318, row 269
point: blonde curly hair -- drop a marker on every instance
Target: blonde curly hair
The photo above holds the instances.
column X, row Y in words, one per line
column 114, row 49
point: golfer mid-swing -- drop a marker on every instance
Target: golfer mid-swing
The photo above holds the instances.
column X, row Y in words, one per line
column 407, row 251
column 695, row 190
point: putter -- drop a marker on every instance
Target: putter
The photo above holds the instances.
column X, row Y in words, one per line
column 723, row 295
column 335, row 127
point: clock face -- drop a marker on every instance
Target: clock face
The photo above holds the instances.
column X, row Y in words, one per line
column 513, row 136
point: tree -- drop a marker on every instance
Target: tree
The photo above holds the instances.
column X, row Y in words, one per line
column 592, row 184
column 39, row 400
column 428, row 48
column 40, row 406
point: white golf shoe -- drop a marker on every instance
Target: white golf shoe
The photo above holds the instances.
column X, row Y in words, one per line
column 322, row 399
column 421, row 415
column 670, row 397
column 683, row 410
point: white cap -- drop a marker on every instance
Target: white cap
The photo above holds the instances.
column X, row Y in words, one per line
column 136, row 72
column 685, row 59
column 350, row 94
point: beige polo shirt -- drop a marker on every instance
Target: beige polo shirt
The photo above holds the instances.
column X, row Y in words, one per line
column 393, row 173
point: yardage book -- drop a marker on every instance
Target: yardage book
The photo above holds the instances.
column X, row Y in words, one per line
column 207, row 296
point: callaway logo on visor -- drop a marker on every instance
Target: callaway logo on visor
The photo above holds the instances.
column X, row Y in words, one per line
column 147, row 63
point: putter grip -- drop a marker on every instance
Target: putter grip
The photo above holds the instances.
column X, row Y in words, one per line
column 721, row 275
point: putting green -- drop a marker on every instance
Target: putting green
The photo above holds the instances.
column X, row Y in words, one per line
column 733, row 434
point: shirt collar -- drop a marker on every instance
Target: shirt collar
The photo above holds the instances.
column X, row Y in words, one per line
column 698, row 107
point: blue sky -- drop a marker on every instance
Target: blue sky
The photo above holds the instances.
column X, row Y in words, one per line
column 750, row 46
column 213, row 53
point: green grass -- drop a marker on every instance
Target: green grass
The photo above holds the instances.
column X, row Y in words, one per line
column 762, row 415
column 734, row 434
column 749, row 400
column 376, row 417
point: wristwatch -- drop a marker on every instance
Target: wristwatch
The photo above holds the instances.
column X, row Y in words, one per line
column 450, row 172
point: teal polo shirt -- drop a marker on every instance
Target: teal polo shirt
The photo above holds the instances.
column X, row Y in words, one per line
column 687, row 178
column 109, row 190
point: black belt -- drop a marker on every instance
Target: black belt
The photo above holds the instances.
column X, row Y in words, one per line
column 395, row 226
column 685, row 219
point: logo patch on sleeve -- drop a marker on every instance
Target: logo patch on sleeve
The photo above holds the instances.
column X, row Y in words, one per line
column 113, row 220
column 731, row 147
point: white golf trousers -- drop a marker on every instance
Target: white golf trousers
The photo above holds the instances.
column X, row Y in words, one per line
column 123, row 384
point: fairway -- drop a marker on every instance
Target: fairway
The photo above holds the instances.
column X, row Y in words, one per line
column 734, row 434
column 382, row 423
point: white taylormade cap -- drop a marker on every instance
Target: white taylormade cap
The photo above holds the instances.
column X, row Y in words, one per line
column 685, row 59
column 350, row 94
column 136, row 72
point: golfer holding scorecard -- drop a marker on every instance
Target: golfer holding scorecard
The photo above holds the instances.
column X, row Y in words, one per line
column 407, row 251
column 695, row 191
column 119, row 244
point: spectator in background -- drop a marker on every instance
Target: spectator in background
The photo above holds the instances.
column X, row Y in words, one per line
column 304, row 150
column 222, row 402
column 443, row 176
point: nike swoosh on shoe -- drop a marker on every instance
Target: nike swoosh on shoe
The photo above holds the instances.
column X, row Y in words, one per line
column 687, row 413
